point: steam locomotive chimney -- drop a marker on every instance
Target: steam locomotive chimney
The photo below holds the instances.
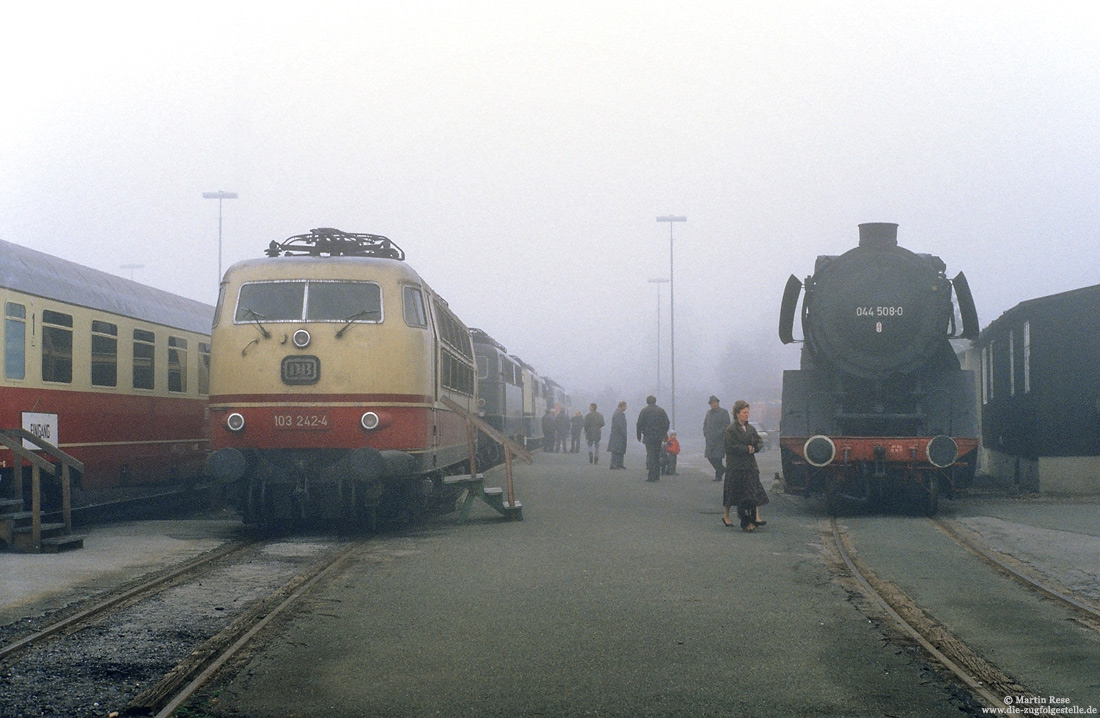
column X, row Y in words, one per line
column 878, row 234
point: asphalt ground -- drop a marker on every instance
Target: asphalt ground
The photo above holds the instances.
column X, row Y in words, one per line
column 613, row 597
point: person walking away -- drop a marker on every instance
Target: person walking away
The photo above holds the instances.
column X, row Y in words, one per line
column 593, row 428
column 714, row 431
column 742, row 484
column 576, row 426
column 651, row 430
column 548, row 430
column 561, row 430
column 672, row 450
column 616, row 442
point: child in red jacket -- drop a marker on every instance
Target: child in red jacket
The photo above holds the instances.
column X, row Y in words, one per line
column 671, row 450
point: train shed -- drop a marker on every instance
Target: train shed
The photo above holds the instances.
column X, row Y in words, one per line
column 1040, row 394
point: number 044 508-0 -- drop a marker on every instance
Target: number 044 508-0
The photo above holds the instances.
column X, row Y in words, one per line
column 880, row 311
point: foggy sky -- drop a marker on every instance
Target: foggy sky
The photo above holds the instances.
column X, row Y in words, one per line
column 520, row 154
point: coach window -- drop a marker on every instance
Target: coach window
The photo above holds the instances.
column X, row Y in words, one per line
column 177, row 364
column 15, row 341
column 57, row 347
column 415, row 315
column 104, row 353
column 1012, row 363
column 144, row 355
column 204, row 368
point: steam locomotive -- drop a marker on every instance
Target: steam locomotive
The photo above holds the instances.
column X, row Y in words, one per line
column 880, row 410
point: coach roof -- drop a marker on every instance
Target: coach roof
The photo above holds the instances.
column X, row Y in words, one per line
column 43, row 275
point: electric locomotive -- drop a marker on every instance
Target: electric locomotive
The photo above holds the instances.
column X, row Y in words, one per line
column 329, row 360
column 499, row 396
column 880, row 408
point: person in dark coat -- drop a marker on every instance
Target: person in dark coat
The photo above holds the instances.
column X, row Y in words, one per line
column 652, row 428
column 714, row 431
column 548, row 438
column 561, row 430
column 593, row 428
column 616, row 442
column 576, row 426
column 742, row 474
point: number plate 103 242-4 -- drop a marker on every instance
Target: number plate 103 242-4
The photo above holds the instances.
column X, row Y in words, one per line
column 302, row 421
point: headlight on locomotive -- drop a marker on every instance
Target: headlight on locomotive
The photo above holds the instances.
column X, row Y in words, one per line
column 301, row 338
column 369, row 421
column 942, row 451
column 819, row 450
column 235, row 422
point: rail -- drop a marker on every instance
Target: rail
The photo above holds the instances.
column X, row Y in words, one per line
column 13, row 440
column 511, row 448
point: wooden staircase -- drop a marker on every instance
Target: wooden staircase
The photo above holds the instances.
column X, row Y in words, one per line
column 21, row 530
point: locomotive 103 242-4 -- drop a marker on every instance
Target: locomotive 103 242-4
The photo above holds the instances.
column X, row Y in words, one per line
column 334, row 376
column 880, row 408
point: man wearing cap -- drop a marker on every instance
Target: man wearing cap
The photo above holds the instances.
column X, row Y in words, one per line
column 714, row 430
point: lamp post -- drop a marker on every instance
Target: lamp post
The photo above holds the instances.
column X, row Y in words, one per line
column 658, row 282
column 219, row 195
column 672, row 306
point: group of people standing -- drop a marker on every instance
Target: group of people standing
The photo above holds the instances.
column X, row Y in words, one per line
column 560, row 432
column 731, row 447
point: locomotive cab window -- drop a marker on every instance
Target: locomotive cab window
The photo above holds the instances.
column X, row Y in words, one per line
column 204, row 368
column 57, row 347
column 312, row 301
column 104, row 353
column 15, row 341
column 415, row 314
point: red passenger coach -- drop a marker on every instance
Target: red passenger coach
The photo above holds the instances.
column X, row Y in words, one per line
column 114, row 372
column 330, row 361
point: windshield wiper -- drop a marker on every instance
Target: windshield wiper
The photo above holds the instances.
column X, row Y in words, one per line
column 353, row 317
column 255, row 318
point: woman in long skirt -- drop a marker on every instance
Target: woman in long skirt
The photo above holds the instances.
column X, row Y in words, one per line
column 742, row 474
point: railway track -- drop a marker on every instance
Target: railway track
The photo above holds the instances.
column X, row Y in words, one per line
column 987, row 683
column 172, row 610
column 144, row 588
column 1088, row 610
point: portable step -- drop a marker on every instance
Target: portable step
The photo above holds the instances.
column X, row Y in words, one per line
column 57, row 544
column 23, row 542
column 9, row 522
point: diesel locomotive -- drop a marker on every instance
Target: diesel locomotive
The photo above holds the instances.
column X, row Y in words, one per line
column 880, row 408
column 329, row 360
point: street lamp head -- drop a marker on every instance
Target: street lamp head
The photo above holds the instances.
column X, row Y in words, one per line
column 659, row 280
column 672, row 218
column 219, row 195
